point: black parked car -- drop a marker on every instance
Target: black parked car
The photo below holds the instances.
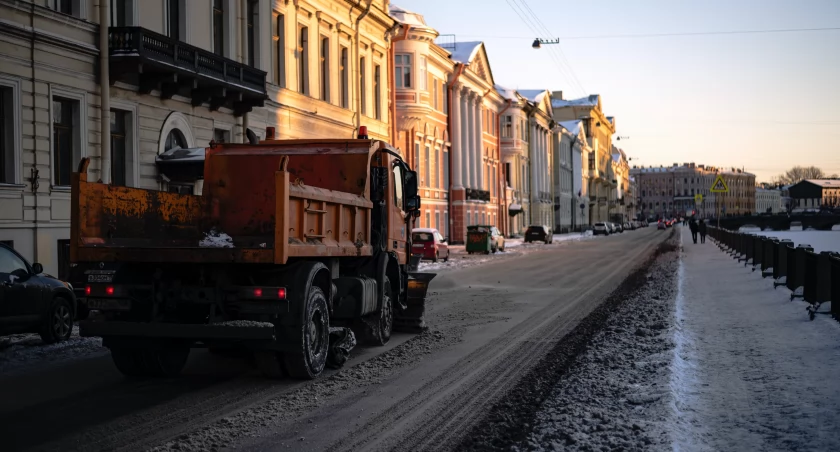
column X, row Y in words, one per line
column 32, row 302
column 537, row 233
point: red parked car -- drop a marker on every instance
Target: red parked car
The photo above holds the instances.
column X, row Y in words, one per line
column 430, row 244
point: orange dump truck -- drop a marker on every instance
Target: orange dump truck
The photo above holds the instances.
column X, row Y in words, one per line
column 289, row 242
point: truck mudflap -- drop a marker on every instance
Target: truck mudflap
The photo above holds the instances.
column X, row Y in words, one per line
column 410, row 319
column 253, row 331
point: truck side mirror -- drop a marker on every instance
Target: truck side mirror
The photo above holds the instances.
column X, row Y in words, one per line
column 410, row 185
column 412, row 204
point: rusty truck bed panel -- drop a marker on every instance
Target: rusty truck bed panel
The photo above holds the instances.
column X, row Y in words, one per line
column 275, row 200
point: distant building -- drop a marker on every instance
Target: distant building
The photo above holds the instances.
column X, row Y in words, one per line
column 672, row 191
column 573, row 193
column 815, row 194
column 768, row 200
column 599, row 130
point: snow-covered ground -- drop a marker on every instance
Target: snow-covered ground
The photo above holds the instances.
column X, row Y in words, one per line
column 25, row 352
column 751, row 372
column 513, row 247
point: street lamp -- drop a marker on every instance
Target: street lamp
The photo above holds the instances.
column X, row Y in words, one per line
column 539, row 42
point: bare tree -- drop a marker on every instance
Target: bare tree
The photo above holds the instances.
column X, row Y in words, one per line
column 798, row 174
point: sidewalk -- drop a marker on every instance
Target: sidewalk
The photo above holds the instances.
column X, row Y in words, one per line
column 751, row 372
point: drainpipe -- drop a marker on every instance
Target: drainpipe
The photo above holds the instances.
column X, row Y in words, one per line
column 392, row 78
column 243, row 57
column 459, row 69
column 104, row 93
column 356, row 54
column 34, row 179
column 503, row 197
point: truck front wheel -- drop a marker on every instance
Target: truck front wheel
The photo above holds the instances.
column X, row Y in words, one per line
column 313, row 338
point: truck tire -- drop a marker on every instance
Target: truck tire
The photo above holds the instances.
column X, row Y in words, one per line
column 312, row 338
column 381, row 327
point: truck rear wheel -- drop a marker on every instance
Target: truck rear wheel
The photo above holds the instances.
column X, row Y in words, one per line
column 164, row 362
column 312, row 339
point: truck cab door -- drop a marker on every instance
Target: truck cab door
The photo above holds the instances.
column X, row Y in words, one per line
column 398, row 234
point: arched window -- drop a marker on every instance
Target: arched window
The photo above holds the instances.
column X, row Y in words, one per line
column 175, row 140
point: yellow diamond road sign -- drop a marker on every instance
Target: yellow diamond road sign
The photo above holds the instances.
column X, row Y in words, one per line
column 719, row 186
column 698, row 198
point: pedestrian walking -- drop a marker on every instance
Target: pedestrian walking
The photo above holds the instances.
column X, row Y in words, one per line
column 702, row 229
column 692, row 225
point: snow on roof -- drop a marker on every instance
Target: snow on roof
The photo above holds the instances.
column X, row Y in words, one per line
column 182, row 155
column 407, row 17
column 465, row 51
column 572, row 126
column 534, row 95
column 588, row 101
column 507, row 93
column 825, row 183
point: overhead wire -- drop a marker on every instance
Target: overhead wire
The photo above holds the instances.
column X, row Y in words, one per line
column 555, row 49
column 534, row 28
column 662, row 35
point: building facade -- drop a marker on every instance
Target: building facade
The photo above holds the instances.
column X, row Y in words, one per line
column 179, row 74
column 424, row 70
column 768, row 200
column 477, row 195
column 573, row 138
column 540, row 155
column 622, row 197
column 672, row 191
column 600, row 129
column 515, row 158
column 815, row 194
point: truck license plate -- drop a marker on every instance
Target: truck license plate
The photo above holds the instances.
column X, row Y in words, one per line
column 106, row 304
column 100, row 276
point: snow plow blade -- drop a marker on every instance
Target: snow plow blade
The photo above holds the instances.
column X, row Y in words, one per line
column 410, row 319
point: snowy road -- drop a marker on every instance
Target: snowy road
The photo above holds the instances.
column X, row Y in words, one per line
column 491, row 323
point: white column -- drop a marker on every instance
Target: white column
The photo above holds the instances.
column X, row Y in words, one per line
column 479, row 145
column 457, row 149
column 473, row 161
column 535, row 164
column 465, row 139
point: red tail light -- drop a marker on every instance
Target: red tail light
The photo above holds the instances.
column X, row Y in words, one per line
column 258, row 292
column 281, row 293
column 109, row 290
column 87, row 290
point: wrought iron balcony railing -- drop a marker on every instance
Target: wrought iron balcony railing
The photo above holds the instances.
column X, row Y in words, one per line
column 153, row 61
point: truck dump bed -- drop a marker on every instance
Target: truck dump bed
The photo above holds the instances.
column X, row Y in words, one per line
column 261, row 203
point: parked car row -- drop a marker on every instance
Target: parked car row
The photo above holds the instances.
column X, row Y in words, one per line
column 607, row 227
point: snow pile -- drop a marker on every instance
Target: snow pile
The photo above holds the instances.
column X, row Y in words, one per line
column 820, row 240
column 19, row 352
column 615, row 394
column 216, row 239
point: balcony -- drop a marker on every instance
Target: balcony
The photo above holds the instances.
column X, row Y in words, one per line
column 478, row 195
column 153, row 61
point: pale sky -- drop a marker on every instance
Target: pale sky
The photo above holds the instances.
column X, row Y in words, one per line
column 765, row 101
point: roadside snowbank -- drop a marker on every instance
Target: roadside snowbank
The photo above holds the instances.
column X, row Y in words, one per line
column 616, row 394
column 22, row 352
